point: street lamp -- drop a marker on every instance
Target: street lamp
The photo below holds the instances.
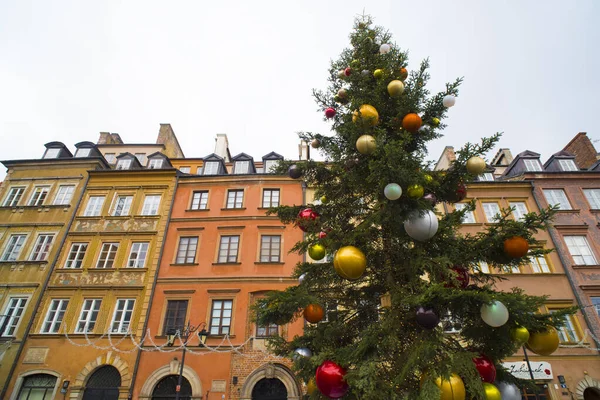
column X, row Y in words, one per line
column 184, row 335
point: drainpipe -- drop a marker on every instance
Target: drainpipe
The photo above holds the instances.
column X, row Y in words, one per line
column 160, row 255
column 43, row 289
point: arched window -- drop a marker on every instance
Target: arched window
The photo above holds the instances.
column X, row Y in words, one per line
column 103, row 384
column 37, row 387
column 591, row 393
column 269, row 389
column 165, row 388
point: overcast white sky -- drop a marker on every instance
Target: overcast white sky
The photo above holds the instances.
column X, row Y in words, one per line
column 70, row 69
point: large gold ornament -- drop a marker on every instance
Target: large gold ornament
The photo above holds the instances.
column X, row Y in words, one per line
column 543, row 343
column 317, row 252
column 349, row 262
column 452, row 389
column 519, row 335
column 415, row 191
column 475, row 165
column 395, row 88
column 491, row 392
column 366, row 115
column 366, row 144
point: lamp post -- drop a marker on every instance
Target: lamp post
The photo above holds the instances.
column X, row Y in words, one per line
column 184, row 335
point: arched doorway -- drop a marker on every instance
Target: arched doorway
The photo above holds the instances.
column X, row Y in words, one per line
column 591, row 393
column 37, row 386
column 269, row 389
column 103, row 384
column 166, row 388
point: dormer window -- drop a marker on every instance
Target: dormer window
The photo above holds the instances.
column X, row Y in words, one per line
column 83, row 152
column 567, row 165
column 124, row 164
column 241, row 167
column 532, row 165
column 155, row 163
column 486, row 177
column 211, row 168
column 270, row 165
column 52, row 153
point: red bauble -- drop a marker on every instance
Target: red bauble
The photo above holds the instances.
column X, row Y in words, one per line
column 330, row 112
column 322, row 235
column 330, row 380
column 486, row 368
column 462, row 276
column 347, row 71
column 459, row 194
column 306, row 219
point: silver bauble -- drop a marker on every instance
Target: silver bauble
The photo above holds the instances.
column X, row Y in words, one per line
column 421, row 227
column 301, row 278
column 509, row 391
column 302, row 352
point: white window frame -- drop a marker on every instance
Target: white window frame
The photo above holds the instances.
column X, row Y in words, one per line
column 581, row 252
column 532, row 165
column 138, row 255
column 469, row 217
column 486, row 177
column 39, row 193
column 52, row 152
column 121, row 321
column 111, row 249
column 210, row 168
column 123, row 163
column 64, row 194
column 520, row 209
column 229, row 248
column 14, row 196
column 223, row 314
column 88, row 315
column 186, row 249
column 270, row 248
column 14, row 246
column 271, row 200
column 487, row 206
column 122, row 205
column 596, row 303
column 539, row 265
column 234, row 200
column 155, row 163
column 242, row 167
column 110, row 157
column 11, row 315
column 567, row 165
column 76, row 255
column 42, row 246
column 199, row 200
column 593, row 198
column 483, row 267
column 151, row 204
column 185, row 170
column 54, row 316
column 269, row 165
column 568, row 331
column 94, row 206
column 557, row 197
column 83, row 152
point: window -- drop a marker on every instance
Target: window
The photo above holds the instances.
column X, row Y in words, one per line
column 155, row 163
column 567, row 165
column 211, row 168
column 9, row 321
column 270, row 165
column 83, row 152
column 185, row 170
column 76, row 255
column 269, row 248
column 450, row 323
column 580, row 250
column 107, row 255
column 52, row 153
column 532, row 165
column 540, row 394
column 220, row 321
column 596, row 304
column 41, row 247
column 186, row 253
column 175, row 316
column 235, row 198
column 482, row 266
column 267, row 331
column 520, row 209
column 141, row 158
column 94, row 206
column 228, row 249
column 200, row 200
column 270, row 198
column 122, row 317
column 124, row 163
column 469, row 217
column 14, row 196
column 539, row 265
column 39, row 195
column 512, row 269
column 593, row 197
column 242, row 167
column 568, row 332
column 55, row 315
column 122, row 205
column 491, row 211
column 110, row 158
column 89, row 315
column 13, row 248
column 64, row 194
column 151, row 204
column 557, row 197
column 37, row 387
column 137, row 255
column 486, row 177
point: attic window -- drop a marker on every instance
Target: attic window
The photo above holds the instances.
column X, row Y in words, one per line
column 83, row 152
column 124, row 164
column 211, row 168
column 567, row 165
column 532, row 165
column 52, row 153
column 270, row 165
column 155, row 163
column 242, row 167
column 486, row 177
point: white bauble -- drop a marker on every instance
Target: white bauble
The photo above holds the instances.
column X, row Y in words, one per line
column 384, row 48
column 509, row 391
column 341, row 74
column 301, row 278
column 449, row 101
column 392, row 191
column 421, row 227
column 494, row 314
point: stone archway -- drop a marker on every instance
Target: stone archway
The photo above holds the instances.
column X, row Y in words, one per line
column 171, row 369
column 270, row 371
column 107, row 359
column 588, row 389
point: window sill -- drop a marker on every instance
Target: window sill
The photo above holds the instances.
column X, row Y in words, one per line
column 130, row 269
column 591, row 266
column 35, row 207
column 267, row 208
column 197, row 209
column 24, row 262
column 227, row 263
column 184, row 265
column 90, row 217
column 118, row 217
column 153, row 216
column 472, row 223
column 568, row 211
column 269, row 263
column 220, row 336
column 233, row 209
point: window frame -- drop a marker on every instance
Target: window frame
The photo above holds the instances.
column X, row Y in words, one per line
column 567, row 205
column 484, row 267
column 125, row 208
column 39, row 254
column 110, row 158
column 538, row 165
column 83, row 152
column 108, row 252
column 485, row 213
column 272, row 258
column 185, row 170
column 140, row 251
column 594, row 192
column 221, row 317
column 587, row 243
column 44, row 191
column 91, row 315
column 596, row 305
column 239, row 163
column 207, row 171
column 79, row 255
column 165, row 320
column 5, row 251
column 571, row 327
column 571, row 165
column 515, row 204
column 57, row 318
column 52, row 152
column 537, row 267
column 155, row 163
column 466, row 219
column 94, row 208
column 202, row 200
column 10, row 196
column 269, row 199
column 121, row 322
column 66, row 197
column 234, row 198
column 11, row 325
column 148, row 204
column 270, row 164
column 123, row 164
column 228, row 250
column 187, row 250
column 49, row 392
column 485, row 177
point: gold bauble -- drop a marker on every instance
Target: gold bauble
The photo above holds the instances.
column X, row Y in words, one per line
column 378, row 73
column 366, row 144
column 349, row 262
column 452, row 389
column 491, row 392
column 317, row 252
column 543, row 343
column 475, row 165
column 324, row 199
column 395, row 88
column 366, row 115
column 311, row 387
column 428, row 178
column 415, row 191
column 519, row 335
column 435, row 121
column 315, row 144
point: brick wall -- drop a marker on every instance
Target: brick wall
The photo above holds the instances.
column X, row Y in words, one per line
column 584, row 150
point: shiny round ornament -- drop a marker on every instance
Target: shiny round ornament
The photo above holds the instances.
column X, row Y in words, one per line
column 348, row 71
column 315, row 144
column 392, row 191
column 330, row 112
column 491, row 392
column 313, row 313
column 486, row 368
column 311, row 387
column 395, row 88
column 475, row 165
column 350, row 263
column 317, row 252
column 384, row 48
column 427, row 318
column 306, row 218
column 365, row 72
column 403, row 74
column 421, row 227
column 322, row 235
column 366, row 144
column 516, row 247
column 412, row 122
column 342, row 93
column 330, row 380
column 459, row 194
column 302, row 352
column 494, row 314
column 366, row 116
column 341, row 74
column 294, row 172
column 509, row 391
column 428, row 178
column 462, row 278
column 435, row 121
column 519, row 335
column 430, row 198
column 324, row 199
column 452, row 389
column 415, row 191
column 543, row 343
column 378, row 73
column 448, row 101
column 301, row 278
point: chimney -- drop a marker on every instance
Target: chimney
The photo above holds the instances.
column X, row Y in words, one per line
column 104, row 138
column 583, row 149
column 303, row 150
column 446, row 159
column 116, row 138
column 166, row 136
column 503, row 158
column 222, row 147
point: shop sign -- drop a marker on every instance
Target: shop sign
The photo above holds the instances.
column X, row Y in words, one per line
column 541, row 370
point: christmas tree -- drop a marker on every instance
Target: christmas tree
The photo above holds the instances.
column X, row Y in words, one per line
column 376, row 310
